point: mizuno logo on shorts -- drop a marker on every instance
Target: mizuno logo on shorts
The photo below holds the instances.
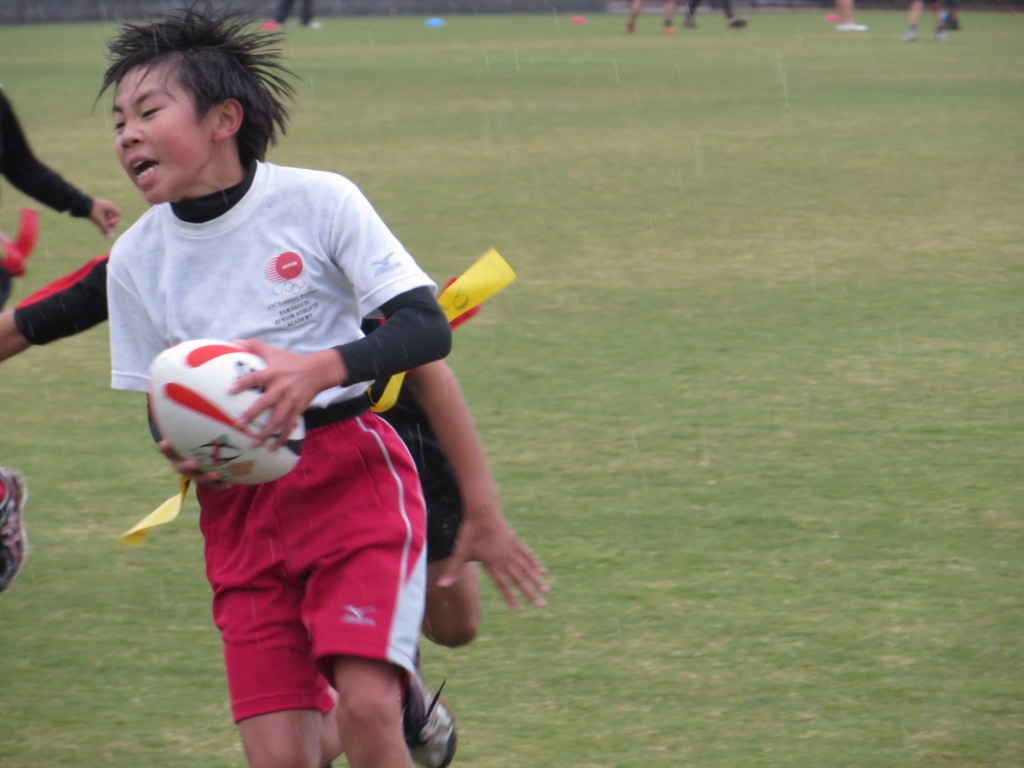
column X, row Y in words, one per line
column 358, row 614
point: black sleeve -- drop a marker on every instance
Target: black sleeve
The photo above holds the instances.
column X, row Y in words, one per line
column 71, row 307
column 28, row 174
column 415, row 333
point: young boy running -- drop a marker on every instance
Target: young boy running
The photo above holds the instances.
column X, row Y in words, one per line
column 465, row 524
column 322, row 571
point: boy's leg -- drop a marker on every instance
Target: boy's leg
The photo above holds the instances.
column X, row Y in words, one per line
column 452, row 616
column 284, row 7
column 733, row 22
column 940, row 23
column 691, row 6
column 670, row 14
column 292, row 738
column 634, row 11
column 369, row 713
column 915, row 12
column 913, row 17
column 306, row 12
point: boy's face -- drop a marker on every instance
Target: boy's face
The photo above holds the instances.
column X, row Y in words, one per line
column 163, row 146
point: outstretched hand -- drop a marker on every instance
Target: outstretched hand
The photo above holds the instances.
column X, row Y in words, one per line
column 105, row 215
column 512, row 567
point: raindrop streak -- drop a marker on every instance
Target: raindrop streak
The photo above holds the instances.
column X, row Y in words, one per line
column 698, row 157
column 824, row 156
column 487, row 62
column 515, row 51
column 785, row 84
column 615, row 66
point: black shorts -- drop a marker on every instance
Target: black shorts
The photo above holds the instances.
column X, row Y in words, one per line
column 440, row 490
column 444, row 518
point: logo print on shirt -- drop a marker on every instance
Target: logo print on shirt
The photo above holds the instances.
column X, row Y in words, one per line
column 358, row 614
column 284, row 272
column 384, row 265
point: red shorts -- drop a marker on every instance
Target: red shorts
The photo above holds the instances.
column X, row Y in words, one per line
column 327, row 561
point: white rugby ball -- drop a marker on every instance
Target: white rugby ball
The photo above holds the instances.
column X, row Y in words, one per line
column 194, row 410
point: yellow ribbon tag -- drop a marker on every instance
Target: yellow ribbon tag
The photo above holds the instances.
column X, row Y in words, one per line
column 488, row 275
column 136, row 535
column 389, row 396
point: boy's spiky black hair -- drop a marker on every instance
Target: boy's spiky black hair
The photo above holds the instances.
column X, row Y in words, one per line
column 216, row 57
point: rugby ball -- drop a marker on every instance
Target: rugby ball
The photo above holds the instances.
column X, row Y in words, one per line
column 195, row 411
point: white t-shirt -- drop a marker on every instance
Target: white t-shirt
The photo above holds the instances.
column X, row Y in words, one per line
column 297, row 263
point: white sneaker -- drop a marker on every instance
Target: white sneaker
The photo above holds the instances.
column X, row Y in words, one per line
column 851, row 27
column 313, row 25
column 428, row 726
column 940, row 34
column 909, row 36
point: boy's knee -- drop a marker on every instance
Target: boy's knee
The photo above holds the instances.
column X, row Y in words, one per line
column 367, row 712
column 455, row 633
column 280, row 754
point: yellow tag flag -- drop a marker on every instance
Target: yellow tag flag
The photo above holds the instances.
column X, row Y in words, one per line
column 488, row 275
column 136, row 535
column 389, row 396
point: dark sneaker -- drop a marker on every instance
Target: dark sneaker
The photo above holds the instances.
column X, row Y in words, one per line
column 13, row 538
column 429, row 728
column 737, row 23
column 690, row 23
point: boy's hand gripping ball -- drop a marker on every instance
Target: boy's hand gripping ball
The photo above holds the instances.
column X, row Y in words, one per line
column 195, row 412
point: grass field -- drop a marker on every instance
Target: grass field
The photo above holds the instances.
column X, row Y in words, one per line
column 756, row 398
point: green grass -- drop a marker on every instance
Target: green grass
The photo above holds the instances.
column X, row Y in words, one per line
column 755, row 398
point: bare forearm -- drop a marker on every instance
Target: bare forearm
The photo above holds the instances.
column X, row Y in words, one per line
column 11, row 340
column 438, row 392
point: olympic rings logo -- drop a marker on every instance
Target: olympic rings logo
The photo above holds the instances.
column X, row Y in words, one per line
column 290, row 287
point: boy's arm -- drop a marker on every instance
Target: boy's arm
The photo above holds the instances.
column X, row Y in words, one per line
column 11, row 340
column 69, row 305
column 30, row 175
column 485, row 534
column 416, row 332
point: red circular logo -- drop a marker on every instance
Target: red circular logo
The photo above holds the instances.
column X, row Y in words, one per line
column 284, row 266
